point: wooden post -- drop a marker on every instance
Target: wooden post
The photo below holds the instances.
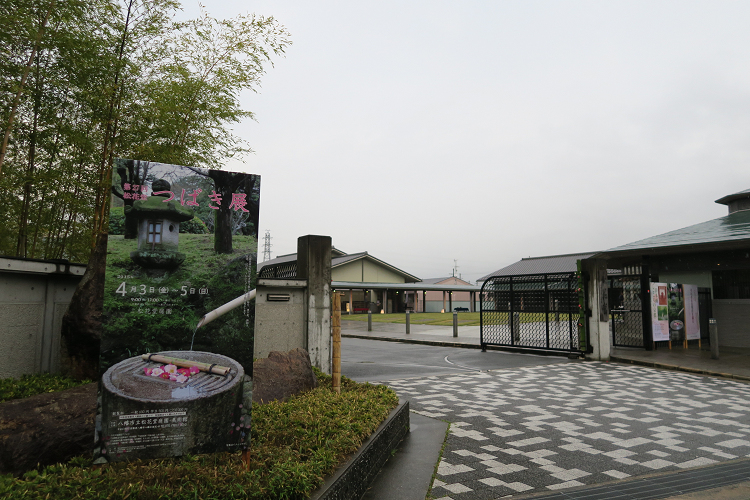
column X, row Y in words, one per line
column 336, row 331
column 246, row 458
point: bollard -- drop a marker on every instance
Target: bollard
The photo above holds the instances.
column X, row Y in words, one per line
column 713, row 336
column 455, row 324
column 408, row 322
column 369, row 321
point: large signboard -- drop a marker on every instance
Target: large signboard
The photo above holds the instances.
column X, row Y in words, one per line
column 674, row 312
column 182, row 243
column 659, row 312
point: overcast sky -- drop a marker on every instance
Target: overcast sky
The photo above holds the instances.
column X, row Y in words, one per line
column 487, row 131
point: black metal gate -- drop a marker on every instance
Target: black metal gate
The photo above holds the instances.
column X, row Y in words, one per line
column 533, row 312
column 626, row 310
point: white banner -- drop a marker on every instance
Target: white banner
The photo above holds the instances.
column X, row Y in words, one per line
column 692, row 323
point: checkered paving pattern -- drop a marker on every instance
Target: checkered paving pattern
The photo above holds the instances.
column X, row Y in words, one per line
column 551, row 427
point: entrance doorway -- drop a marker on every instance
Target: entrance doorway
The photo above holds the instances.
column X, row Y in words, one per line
column 627, row 305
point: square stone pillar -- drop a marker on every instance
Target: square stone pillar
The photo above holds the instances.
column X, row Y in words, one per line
column 314, row 265
column 598, row 305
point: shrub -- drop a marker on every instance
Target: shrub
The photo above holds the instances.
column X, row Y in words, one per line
column 194, row 226
column 29, row 385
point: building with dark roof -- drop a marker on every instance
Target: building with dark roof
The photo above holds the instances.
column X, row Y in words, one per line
column 712, row 255
column 371, row 284
column 541, row 265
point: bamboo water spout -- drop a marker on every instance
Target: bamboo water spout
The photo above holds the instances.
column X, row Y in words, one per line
column 222, row 310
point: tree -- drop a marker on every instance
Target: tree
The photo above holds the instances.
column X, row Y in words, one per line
column 85, row 81
column 112, row 78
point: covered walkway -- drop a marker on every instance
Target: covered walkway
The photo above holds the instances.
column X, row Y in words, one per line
column 398, row 297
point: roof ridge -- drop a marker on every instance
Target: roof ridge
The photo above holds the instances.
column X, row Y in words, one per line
column 560, row 255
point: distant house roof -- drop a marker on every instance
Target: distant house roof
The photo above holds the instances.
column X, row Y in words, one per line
column 441, row 280
column 730, row 230
column 541, row 265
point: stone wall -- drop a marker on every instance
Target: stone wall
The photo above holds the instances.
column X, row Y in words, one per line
column 33, row 298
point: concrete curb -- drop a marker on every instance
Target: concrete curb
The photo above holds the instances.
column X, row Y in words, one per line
column 352, row 479
column 665, row 366
column 461, row 345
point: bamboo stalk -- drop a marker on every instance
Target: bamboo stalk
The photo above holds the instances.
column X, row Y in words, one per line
column 186, row 363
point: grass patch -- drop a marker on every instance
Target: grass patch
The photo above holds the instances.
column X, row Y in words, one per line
column 437, row 464
column 446, row 319
column 294, row 446
column 30, row 385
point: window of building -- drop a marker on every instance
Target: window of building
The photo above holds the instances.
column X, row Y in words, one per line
column 732, row 284
column 154, row 232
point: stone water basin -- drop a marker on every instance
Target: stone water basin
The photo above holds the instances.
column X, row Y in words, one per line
column 148, row 417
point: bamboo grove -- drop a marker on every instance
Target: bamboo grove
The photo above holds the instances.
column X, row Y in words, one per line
column 85, row 81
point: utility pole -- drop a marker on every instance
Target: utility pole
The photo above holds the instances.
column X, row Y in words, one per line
column 267, row 246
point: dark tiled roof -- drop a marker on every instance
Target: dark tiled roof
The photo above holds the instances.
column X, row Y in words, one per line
column 726, row 200
column 278, row 260
column 541, row 265
column 732, row 227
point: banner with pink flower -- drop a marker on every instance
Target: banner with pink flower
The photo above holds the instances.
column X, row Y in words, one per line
column 182, row 243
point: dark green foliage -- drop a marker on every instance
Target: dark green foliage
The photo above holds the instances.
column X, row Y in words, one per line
column 29, row 385
column 117, row 221
column 193, row 226
column 294, row 446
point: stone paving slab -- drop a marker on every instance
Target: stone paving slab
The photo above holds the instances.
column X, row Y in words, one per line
column 550, row 428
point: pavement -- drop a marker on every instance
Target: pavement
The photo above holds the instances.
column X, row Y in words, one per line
column 581, row 429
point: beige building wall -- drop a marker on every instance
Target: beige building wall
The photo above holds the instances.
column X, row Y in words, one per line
column 364, row 271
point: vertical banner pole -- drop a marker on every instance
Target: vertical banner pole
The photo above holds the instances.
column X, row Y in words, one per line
column 336, row 332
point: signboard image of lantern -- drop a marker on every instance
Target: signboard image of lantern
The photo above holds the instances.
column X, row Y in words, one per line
column 188, row 248
column 676, row 310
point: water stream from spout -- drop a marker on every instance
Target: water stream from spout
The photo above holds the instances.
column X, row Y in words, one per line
column 193, row 339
